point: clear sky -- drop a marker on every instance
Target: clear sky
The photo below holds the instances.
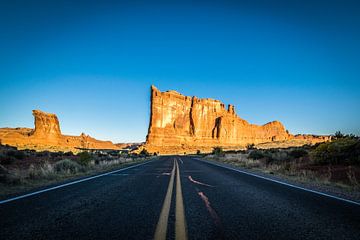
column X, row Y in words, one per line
column 92, row 62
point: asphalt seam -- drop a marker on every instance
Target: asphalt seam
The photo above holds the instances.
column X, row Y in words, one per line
column 70, row 183
column 282, row 183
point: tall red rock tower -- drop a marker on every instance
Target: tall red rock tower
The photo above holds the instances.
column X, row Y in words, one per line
column 180, row 123
column 47, row 126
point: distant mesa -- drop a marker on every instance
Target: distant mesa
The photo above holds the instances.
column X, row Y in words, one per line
column 47, row 136
column 181, row 124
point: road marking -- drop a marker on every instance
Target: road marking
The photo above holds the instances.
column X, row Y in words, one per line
column 70, row 183
column 283, row 183
column 161, row 227
column 181, row 160
column 180, row 222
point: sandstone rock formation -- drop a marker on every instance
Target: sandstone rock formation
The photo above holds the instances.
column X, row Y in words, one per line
column 47, row 136
column 47, row 127
column 180, row 124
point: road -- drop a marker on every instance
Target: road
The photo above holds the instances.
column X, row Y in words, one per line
column 178, row 197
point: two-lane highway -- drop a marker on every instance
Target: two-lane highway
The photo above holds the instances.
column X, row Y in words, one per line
column 178, row 197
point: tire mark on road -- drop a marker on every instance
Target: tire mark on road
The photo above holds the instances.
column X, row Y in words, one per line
column 213, row 214
column 197, row 182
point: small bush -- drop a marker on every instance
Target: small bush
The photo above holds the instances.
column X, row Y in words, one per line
column 250, row 146
column 43, row 154
column 84, row 158
column 6, row 160
column 257, row 154
column 16, row 154
column 45, row 171
column 198, row 152
column 276, row 157
column 218, row 151
column 144, row 152
column 298, row 153
column 3, row 174
column 67, row 166
column 338, row 135
column 56, row 154
column 68, row 154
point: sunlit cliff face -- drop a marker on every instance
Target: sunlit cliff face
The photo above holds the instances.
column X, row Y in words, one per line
column 189, row 122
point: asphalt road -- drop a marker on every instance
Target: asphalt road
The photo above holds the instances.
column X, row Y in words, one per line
column 178, row 198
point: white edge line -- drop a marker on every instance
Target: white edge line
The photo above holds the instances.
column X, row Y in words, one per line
column 280, row 182
column 70, row 183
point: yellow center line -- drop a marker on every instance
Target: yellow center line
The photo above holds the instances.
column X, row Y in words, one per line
column 161, row 227
column 180, row 222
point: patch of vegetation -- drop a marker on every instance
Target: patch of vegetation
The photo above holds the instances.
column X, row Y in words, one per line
column 16, row 154
column 339, row 151
column 250, row 146
column 335, row 162
column 218, row 151
column 84, row 158
column 44, row 171
column 144, row 152
column 298, row 153
column 22, row 170
column 67, row 166
column 256, row 154
column 5, row 159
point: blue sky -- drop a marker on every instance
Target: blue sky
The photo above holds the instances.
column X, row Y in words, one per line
column 92, row 62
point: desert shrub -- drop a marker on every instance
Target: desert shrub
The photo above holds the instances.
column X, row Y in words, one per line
column 338, row 135
column 5, row 159
column 144, row 152
column 10, row 178
column 44, row 171
column 250, row 146
column 56, row 154
column 257, row 154
column 218, row 151
column 339, row 151
column 3, row 174
column 198, row 152
column 271, row 156
column 43, row 154
column 276, row 156
column 67, row 166
column 298, row 153
column 84, row 158
column 68, row 154
column 16, row 154
column 352, row 178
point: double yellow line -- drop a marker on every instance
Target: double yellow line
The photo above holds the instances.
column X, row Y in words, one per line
column 180, row 221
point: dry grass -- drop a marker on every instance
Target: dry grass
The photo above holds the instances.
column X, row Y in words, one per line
column 283, row 163
column 17, row 180
column 352, row 178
